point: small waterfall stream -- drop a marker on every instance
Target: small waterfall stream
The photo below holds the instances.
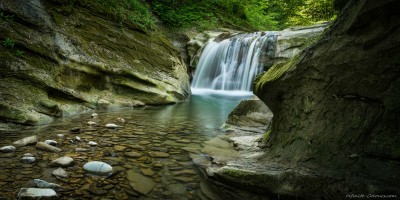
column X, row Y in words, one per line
column 232, row 64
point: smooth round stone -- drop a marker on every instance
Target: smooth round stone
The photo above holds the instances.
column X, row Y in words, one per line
column 119, row 148
column 91, row 123
column 8, row 149
column 60, row 135
column 28, row 155
column 77, row 138
column 94, row 115
column 133, row 154
column 98, row 168
column 51, row 142
column 28, row 159
column 91, row 143
column 159, row 154
column 110, row 125
column 62, row 161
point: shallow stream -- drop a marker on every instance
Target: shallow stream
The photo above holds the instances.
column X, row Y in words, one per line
column 152, row 146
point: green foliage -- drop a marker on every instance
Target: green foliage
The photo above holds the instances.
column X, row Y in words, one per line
column 5, row 17
column 8, row 43
column 124, row 11
column 246, row 14
column 19, row 53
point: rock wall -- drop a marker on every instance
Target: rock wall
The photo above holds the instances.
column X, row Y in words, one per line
column 64, row 62
column 336, row 112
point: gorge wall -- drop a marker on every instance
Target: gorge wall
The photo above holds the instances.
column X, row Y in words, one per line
column 56, row 62
column 335, row 130
column 336, row 111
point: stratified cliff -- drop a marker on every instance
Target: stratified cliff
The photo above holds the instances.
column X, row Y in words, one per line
column 336, row 108
column 56, row 61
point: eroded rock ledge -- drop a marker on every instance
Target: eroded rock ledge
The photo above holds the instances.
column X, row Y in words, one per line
column 77, row 60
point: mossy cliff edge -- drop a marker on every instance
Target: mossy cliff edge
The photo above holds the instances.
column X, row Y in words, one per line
column 335, row 106
column 65, row 60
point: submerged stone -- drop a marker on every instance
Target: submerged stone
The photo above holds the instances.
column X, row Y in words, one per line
column 98, row 168
column 133, row 154
column 44, row 184
column 140, row 183
column 36, row 193
column 28, row 159
column 47, row 147
column 157, row 154
column 26, row 141
column 8, row 149
column 91, row 143
column 60, row 172
column 51, row 142
column 110, row 125
column 62, row 162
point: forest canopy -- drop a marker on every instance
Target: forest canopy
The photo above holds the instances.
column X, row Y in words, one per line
column 244, row 14
column 236, row 14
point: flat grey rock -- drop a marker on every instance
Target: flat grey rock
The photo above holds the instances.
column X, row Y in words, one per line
column 140, row 183
column 36, row 193
column 44, row 184
column 62, row 162
column 60, row 172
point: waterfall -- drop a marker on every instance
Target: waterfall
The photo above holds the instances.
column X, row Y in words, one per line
column 232, row 64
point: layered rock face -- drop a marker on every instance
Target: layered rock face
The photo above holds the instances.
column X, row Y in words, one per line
column 336, row 109
column 63, row 62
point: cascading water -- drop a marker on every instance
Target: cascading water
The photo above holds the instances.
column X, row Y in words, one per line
column 232, row 64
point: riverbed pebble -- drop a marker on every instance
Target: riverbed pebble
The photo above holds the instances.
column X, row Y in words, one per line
column 8, row 149
column 46, row 147
column 26, row 141
column 94, row 115
column 111, row 125
column 36, row 193
column 28, row 159
column 98, row 168
column 91, row 143
column 51, row 142
column 76, row 130
column 121, row 120
column 44, row 184
column 81, row 149
column 156, row 154
column 91, row 123
column 60, row 172
column 62, row 162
